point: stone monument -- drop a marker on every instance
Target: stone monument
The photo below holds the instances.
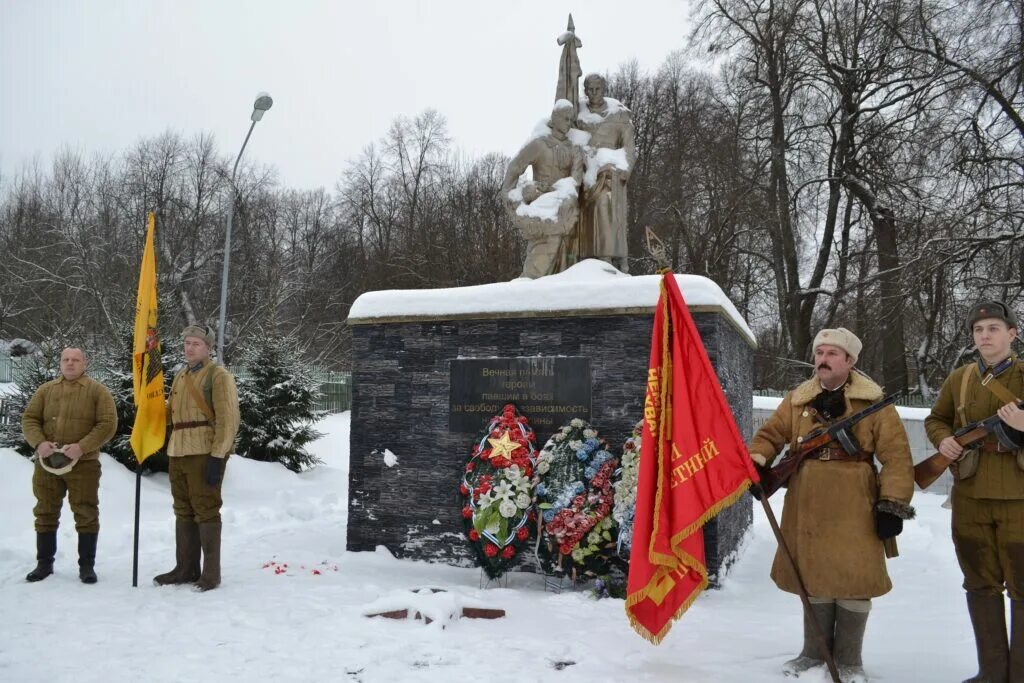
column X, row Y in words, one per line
column 571, row 339
column 546, row 208
column 569, row 213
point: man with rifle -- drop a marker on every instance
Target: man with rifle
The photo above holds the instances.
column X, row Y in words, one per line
column 837, row 511
column 988, row 488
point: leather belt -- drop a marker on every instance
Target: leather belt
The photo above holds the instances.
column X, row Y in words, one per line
column 839, row 455
column 189, row 425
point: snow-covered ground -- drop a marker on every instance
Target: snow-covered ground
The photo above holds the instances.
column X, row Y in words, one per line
column 298, row 625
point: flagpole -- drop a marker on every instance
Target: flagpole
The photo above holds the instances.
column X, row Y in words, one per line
column 135, row 553
column 819, row 634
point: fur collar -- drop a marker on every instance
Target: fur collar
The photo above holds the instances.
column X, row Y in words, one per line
column 858, row 387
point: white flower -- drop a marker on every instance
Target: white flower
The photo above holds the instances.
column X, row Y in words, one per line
column 560, row 437
column 577, row 555
column 507, row 508
column 593, row 538
column 576, row 422
column 523, row 500
column 543, row 467
column 575, row 445
column 502, row 491
column 589, row 434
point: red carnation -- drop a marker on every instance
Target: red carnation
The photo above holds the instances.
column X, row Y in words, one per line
column 474, row 535
column 490, row 550
column 565, row 548
column 470, row 466
column 463, row 489
column 467, row 512
column 508, row 553
column 523, row 533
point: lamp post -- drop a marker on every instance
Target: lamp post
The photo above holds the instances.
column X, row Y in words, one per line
column 260, row 106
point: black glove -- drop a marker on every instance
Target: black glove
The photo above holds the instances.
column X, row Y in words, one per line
column 214, row 470
column 887, row 524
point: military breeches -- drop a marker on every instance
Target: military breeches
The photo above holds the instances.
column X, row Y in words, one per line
column 989, row 539
column 194, row 499
column 82, row 484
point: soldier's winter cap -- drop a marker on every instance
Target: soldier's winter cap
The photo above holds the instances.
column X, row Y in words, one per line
column 206, row 334
column 991, row 309
column 842, row 338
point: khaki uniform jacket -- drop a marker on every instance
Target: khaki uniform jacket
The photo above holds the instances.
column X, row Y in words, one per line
column 828, row 516
column 217, row 439
column 998, row 476
column 78, row 411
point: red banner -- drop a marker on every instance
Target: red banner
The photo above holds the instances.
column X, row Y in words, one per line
column 693, row 464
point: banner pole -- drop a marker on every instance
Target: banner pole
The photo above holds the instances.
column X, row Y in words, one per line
column 135, row 553
column 819, row 634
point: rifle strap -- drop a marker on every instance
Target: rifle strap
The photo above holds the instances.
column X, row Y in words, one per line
column 996, row 387
column 197, row 397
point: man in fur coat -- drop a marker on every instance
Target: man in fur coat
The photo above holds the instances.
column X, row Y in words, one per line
column 838, row 510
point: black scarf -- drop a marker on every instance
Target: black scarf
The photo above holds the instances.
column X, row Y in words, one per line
column 830, row 404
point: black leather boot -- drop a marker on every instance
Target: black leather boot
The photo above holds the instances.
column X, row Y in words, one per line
column 46, row 549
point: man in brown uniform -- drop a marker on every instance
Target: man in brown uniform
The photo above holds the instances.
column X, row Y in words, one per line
column 838, row 511
column 68, row 419
column 988, row 489
column 203, row 412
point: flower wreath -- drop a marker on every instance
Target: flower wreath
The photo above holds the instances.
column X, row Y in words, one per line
column 497, row 491
column 625, row 490
column 573, row 486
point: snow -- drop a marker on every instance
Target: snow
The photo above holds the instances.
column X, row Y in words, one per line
column 602, row 157
column 588, row 285
column 390, row 459
column 284, row 622
column 545, row 207
column 8, row 388
column 587, row 116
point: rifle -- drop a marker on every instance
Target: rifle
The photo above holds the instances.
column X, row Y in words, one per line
column 927, row 471
column 773, row 478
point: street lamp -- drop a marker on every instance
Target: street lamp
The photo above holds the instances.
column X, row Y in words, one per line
column 260, row 106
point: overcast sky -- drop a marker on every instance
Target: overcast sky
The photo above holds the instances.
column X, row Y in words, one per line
column 97, row 75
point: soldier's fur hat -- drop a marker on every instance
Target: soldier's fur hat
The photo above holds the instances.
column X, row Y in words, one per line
column 991, row 309
column 206, row 334
column 840, row 337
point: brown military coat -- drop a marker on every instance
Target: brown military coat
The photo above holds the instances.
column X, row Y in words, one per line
column 218, row 438
column 828, row 515
column 78, row 411
column 998, row 476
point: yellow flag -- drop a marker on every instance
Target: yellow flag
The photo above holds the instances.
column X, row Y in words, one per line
column 150, row 426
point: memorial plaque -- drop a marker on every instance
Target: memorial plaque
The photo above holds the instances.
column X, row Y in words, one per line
column 548, row 390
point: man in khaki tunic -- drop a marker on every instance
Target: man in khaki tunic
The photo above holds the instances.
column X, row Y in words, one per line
column 838, row 511
column 988, row 489
column 67, row 421
column 203, row 413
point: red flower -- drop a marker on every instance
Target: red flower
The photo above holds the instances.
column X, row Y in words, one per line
column 474, row 535
column 565, row 548
column 316, row 572
column 463, row 489
column 523, row 533
column 508, row 553
column 490, row 550
column 470, row 466
column 467, row 512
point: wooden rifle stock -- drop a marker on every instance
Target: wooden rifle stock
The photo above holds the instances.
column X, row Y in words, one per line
column 930, row 469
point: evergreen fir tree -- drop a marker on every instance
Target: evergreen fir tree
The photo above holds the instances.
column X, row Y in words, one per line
column 34, row 371
column 277, row 398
